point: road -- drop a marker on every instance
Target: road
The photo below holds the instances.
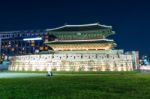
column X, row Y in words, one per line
column 20, row 75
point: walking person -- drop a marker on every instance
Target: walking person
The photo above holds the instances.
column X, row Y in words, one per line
column 49, row 72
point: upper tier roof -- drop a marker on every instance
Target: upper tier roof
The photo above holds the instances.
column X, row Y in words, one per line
column 83, row 27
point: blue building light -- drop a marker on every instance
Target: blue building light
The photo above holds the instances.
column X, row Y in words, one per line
column 30, row 39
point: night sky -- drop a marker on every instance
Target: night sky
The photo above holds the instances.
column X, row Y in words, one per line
column 129, row 18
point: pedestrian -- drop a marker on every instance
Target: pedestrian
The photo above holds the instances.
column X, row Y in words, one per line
column 49, row 73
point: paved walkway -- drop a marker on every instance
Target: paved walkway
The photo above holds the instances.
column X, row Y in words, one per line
column 16, row 75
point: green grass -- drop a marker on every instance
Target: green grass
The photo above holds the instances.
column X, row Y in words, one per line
column 80, row 72
column 78, row 86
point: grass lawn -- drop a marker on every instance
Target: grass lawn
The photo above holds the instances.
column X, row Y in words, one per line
column 78, row 86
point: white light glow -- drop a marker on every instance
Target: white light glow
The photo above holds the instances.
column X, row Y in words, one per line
column 29, row 39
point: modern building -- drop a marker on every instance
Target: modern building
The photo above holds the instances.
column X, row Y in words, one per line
column 68, row 48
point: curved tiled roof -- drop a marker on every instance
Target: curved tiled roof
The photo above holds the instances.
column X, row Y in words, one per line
column 82, row 41
column 83, row 27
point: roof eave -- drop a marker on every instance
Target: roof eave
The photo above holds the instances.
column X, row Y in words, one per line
column 54, row 29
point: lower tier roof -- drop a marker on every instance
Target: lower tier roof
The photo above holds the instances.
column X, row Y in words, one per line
column 80, row 41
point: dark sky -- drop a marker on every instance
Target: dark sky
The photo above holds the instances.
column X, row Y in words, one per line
column 129, row 18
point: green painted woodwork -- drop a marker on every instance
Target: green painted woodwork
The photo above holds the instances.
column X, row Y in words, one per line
column 103, row 33
column 87, row 42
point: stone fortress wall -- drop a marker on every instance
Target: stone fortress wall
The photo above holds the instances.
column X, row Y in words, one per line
column 74, row 62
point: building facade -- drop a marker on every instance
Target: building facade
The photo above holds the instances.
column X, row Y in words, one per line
column 74, row 48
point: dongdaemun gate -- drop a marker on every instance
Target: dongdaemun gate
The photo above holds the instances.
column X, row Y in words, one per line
column 77, row 48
